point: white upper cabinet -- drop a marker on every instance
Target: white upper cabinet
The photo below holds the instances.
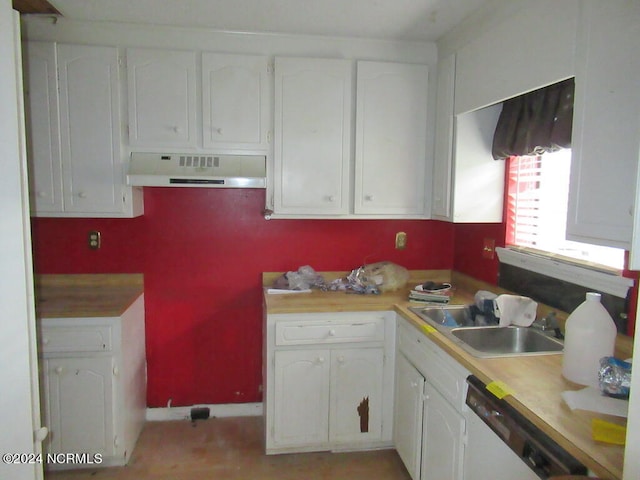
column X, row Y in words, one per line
column 90, row 129
column 162, row 98
column 41, row 109
column 391, row 138
column 235, row 101
column 315, row 172
column 74, row 127
column 606, row 125
column 312, row 142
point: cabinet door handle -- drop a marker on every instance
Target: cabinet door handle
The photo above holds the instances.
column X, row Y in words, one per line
column 341, row 359
column 45, row 341
column 414, row 384
column 368, row 198
column 320, row 360
column 116, row 371
column 58, row 370
column 82, row 195
column 332, row 333
column 176, row 129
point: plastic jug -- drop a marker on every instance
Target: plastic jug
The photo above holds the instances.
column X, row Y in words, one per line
column 590, row 334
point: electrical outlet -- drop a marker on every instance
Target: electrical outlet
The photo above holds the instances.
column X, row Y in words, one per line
column 94, row 240
column 401, row 241
column 488, row 248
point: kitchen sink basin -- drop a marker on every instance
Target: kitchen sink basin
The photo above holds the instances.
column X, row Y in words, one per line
column 443, row 316
column 495, row 341
column 455, row 323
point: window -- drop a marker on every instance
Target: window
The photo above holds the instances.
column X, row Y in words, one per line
column 537, row 197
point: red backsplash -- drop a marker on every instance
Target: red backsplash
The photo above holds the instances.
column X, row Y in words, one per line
column 202, row 252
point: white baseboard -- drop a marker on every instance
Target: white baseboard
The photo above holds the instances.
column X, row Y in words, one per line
column 225, row 410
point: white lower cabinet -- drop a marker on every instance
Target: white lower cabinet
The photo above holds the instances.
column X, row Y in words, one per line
column 93, row 374
column 325, row 381
column 429, row 425
column 80, row 388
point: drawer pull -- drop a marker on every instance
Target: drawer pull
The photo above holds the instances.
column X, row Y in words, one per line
column 332, row 333
column 341, row 359
column 58, row 370
column 320, row 360
column 45, row 341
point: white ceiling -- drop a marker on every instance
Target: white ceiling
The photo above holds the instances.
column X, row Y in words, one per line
column 409, row 20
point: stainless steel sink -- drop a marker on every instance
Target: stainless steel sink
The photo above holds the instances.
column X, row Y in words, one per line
column 455, row 323
column 497, row 341
column 441, row 316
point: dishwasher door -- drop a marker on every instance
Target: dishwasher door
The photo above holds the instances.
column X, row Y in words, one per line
column 487, row 457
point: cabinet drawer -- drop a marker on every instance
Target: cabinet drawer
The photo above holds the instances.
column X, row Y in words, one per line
column 328, row 331
column 76, row 339
column 438, row 368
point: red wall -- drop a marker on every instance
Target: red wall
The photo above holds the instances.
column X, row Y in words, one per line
column 202, row 252
column 467, row 255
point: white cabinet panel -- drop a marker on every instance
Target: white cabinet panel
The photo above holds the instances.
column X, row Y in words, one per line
column 162, row 98
column 478, row 179
column 606, row 126
column 312, row 142
column 235, row 99
column 301, row 385
column 441, row 206
column 79, row 394
column 41, row 108
column 408, row 410
column 356, row 394
column 442, row 447
column 391, row 130
column 90, row 129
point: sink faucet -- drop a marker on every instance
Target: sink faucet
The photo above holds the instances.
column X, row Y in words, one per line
column 550, row 322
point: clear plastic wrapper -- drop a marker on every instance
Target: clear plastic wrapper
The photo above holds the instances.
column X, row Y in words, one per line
column 614, row 377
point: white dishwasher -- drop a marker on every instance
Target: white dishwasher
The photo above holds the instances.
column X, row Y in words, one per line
column 503, row 445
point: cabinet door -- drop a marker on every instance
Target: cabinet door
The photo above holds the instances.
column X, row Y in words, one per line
column 235, row 96
column 79, row 406
column 443, row 434
column 605, row 140
column 312, row 142
column 41, row 109
column 391, row 138
column 90, row 129
column 407, row 423
column 301, row 397
column 356, row 395
column 443, row 158
column 162, row 98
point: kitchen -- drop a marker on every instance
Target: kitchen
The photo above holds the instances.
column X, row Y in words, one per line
column 170, row 242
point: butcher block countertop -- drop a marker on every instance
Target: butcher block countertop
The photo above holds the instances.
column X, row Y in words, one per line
column 86, row 295
column 536, row 382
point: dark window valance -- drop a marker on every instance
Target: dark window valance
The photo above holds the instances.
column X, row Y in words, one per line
column 536, row 122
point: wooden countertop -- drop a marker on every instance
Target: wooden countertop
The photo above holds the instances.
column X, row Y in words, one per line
column 87, row 295
column 536, row 381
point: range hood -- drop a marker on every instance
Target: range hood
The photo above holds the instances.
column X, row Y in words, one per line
column 197, row 170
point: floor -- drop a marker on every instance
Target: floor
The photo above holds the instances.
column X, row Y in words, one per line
column 232, row 448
